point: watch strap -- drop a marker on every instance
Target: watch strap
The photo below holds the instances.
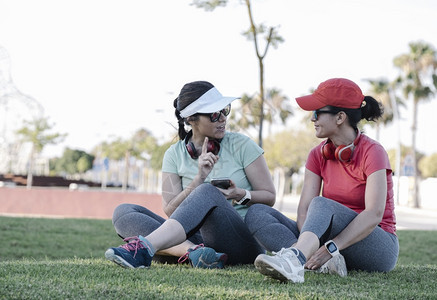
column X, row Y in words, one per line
column 246, row 198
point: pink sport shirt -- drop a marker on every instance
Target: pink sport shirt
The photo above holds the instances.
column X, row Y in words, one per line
column 346, row 182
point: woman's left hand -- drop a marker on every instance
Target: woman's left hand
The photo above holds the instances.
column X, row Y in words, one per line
column 320, row 257
column 231, row 192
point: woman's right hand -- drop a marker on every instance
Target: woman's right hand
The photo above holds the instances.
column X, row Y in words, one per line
column 206, row 160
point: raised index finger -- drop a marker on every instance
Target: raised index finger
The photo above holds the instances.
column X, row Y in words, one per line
column 205, row 145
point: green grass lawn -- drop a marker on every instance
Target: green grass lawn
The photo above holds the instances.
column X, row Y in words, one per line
column 63, row 259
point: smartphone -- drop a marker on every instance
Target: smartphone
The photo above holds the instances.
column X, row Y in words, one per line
column 223, row 183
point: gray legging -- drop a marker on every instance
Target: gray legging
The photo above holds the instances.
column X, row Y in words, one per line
column 325, row 218
column 206, row 216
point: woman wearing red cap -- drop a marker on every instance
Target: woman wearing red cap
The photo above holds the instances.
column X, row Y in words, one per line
column 206, row 223
column 352, row 225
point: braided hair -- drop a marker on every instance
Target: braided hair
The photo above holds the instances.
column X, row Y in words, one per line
column 189, row 93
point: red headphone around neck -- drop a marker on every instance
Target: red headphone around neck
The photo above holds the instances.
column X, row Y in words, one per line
column 213, row 146
column 342, row 153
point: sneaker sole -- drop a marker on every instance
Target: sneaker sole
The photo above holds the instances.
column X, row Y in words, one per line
column 110, row 255
column 266, row 269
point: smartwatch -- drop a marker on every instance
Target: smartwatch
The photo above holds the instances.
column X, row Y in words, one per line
column 332, row 248
column 246, row 198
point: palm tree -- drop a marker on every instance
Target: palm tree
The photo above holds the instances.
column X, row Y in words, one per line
column 35, row 132
column 381, row 89
column 272, row 38
column 277, row 108
column 419, row 81
column 243, row 118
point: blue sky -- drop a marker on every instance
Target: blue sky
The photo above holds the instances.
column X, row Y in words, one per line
column 105, row 68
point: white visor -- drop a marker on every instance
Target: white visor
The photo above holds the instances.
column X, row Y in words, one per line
column 209, row 102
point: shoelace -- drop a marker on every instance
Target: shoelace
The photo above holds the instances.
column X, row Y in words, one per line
column 280, row 252
column 133, row 245
column 186, row 255
column 286, row 254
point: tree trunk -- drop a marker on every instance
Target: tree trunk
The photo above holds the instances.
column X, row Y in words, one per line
column 281, row 188
column 261, row 95
column 261, row 73
column 416, row 198
column 378, row 131
column 398, row 143
column 124, row 183
column 30, row 169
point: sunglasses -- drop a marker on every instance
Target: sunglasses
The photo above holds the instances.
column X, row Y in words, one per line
column 215, row 116
column 316, row 113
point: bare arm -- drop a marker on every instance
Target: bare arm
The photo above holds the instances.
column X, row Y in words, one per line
column 172, row 193
column 311, row 188
column 371, row 216
column 363, row 224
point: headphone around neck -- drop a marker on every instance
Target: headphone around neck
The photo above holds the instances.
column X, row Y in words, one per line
column 342, row 153
column 213, row 146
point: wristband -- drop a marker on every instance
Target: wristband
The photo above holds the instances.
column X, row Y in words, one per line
column 246, row 198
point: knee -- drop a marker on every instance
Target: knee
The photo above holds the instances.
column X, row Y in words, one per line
column 254, row 216
column 254, row 210
column 121, row 210
column 323, row 205
column 207, row 191
column 319, row 201
column 207, row 188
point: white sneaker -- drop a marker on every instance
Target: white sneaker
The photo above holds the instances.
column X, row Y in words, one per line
column 336, row 265
column 283, row 265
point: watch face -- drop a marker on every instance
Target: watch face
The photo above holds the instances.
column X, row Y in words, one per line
column 331, row 247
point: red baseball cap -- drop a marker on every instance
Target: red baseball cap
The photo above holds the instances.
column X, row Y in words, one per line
column 338, row 92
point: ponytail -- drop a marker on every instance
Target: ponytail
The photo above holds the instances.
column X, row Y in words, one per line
column 371, row 110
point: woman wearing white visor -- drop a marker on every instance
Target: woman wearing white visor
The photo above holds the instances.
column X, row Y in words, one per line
column 206, row 223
